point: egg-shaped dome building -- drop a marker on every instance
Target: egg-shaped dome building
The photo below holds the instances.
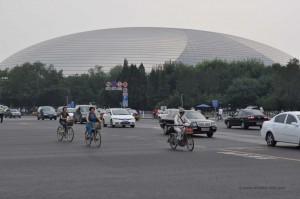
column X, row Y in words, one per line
column 79, row 52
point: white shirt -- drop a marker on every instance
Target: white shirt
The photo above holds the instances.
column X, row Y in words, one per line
column 220, row 111
column 178, row 121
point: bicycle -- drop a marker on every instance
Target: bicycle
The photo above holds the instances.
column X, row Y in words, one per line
column 220, row 117
column 187, row 139
column 96, row 135
column 61, row 133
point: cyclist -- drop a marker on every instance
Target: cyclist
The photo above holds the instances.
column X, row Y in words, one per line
column 90, row 119
column 180, row 120
column 63, row 118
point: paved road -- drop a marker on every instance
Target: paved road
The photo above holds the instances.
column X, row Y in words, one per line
column 138, row 163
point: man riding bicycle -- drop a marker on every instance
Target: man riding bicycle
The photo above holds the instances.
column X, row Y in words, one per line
column 179, row 121
column 63, row 118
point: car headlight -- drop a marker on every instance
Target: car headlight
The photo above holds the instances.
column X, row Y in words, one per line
column 45, row 113
column 213, row 124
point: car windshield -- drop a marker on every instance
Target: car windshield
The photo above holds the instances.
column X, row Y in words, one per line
column 48, row 108
column 120, row 112
column 132, row 111
column 194, row 115
column 252, row 112
column 13, row 110
column 298, row 117
column 70, row 110
column 84, row 108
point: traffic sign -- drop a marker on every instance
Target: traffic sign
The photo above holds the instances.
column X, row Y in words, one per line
column 108, row 84
column 214, row 103
column 125, row 97
column 120, row 84
column 125, row 90
column 125, row 84
column 114, row 84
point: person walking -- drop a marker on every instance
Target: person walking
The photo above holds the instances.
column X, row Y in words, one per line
column 1, row 113
column 220, row 114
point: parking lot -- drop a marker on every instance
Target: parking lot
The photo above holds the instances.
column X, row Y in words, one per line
column 139, row 163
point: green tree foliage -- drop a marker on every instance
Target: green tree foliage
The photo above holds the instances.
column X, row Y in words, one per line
column 238, row 83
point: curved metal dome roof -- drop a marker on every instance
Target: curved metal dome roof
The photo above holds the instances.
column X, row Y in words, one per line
column 79, row 52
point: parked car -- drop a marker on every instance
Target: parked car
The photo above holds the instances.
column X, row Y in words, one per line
column 118, row 117
column 71, row 111
column 81, row 111
column 246, row 118
column 46, row 112
column 200, row 124
column 164, row 114
column 284, row 127
column 12, row 113
column 6, row 112
column 101, row 110
column 134, row 113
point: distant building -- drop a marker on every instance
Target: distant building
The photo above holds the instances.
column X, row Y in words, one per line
column 79, row 52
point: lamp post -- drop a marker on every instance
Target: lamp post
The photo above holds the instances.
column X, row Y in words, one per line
column 181, row 97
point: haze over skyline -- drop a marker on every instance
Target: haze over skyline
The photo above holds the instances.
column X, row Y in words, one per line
column 28, row 22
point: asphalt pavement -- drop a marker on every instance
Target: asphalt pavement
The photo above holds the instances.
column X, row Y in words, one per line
column 139, row 163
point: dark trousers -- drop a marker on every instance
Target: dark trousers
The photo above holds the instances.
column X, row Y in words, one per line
column 1, row 116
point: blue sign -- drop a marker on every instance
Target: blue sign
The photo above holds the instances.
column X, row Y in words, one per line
column 72, row 105
column 125, row 97
column 214, row 103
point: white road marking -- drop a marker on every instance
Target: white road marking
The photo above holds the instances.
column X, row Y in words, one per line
column 249, row 155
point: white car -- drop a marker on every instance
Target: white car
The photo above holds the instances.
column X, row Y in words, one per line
column 164, row 113
column 284, row 127
column 118, row 117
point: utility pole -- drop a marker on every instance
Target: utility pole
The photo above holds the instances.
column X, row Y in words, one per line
column 181, row 97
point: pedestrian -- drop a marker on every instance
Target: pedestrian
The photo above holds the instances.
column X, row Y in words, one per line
column 220, row 114
column 1, row 113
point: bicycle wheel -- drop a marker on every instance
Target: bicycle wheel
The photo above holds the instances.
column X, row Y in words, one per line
column 190, row 143
column 60, row 135
column 70, row 134
column 87, row 140
column 172, row 141
column 97, row 138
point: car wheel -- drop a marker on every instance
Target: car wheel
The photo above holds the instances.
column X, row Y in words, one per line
column 81, row 121
column 38, row 118
column 132, row 126
column 51, row 118
column 228, row 124
column 55, row 118
column 111, row 124
column 165, row 129
column 270, row 139
column 244, row 126
column 209, row 134
column 19, row 116
column 123, row 126
column 43, row 118
column 105, row 125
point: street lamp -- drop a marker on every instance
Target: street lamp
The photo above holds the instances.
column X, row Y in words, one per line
column 181, row 97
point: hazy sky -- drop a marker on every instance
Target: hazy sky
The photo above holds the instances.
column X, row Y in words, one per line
column 27, row 22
